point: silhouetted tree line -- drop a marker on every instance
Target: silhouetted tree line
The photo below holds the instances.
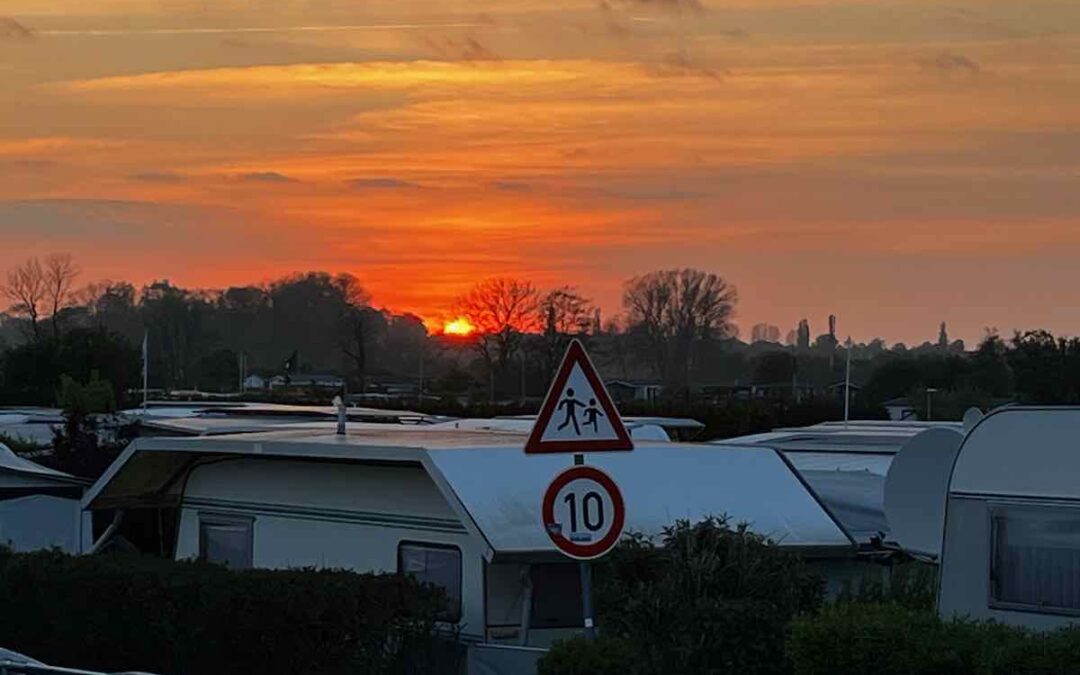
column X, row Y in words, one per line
column 676, row 329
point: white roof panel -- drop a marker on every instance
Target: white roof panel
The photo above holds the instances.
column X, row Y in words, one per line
column 11, row 462
column 840, row 461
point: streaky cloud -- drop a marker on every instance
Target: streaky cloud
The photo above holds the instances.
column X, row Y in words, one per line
column 381, row 184
column 11, row 29
column 266, row 177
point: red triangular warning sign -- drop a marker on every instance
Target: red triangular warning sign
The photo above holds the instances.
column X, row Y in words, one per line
column 578, row 415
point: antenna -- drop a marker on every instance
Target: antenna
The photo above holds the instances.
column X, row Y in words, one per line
column 342, row 417
column 916, row 488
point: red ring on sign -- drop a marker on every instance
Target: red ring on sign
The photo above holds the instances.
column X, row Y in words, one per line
column 597, row 548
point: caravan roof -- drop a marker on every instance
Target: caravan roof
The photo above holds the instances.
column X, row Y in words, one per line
column 491, row 482
column 216, row 408
column 31, row 473
column 1021, row 451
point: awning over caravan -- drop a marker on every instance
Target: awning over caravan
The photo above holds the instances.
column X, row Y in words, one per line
column 845, row 465
column 22, row 474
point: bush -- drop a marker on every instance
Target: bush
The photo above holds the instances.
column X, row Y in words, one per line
column 30, row 373
column 889, row 639
column 604, row 656
column 128, row 613
column 712, row 599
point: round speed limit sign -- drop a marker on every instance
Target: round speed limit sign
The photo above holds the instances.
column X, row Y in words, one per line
column 583, row 512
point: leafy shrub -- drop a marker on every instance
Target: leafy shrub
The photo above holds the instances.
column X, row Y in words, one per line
column 604, row 656
column 854, row 639
column 889, row 639
column 127, row 613
column 710, row 599
column 30, row 373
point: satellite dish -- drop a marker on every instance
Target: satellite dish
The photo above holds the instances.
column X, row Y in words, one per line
column 916, row 488
column 972, row 417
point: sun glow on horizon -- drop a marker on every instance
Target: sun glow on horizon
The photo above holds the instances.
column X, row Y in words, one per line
column 459, row 326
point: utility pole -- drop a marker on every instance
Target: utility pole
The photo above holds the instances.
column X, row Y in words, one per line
column 145, row 369
column 243, row 371
column 847, row 385
column 420, row 391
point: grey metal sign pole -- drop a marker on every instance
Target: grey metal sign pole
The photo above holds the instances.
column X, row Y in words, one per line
column 585, row 571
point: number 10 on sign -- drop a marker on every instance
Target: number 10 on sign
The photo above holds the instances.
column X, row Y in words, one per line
column 583, row 512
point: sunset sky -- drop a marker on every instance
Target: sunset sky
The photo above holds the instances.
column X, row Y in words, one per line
column 896, row 163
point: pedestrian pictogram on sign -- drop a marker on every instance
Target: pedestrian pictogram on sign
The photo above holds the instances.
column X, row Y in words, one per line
column 578, row 415
column 583, row 512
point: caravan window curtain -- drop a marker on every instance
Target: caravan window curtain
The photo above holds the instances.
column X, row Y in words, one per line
column 438, row 565
column 1036, row 558
column 226, row 541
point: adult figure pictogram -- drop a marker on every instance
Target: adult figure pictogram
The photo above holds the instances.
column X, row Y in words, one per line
column 571, row 405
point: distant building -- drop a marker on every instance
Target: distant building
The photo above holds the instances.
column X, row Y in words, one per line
column 836, row 390
column 721, row 393
column 308, row 380
column 254, row 383
column 783, row 391
column 764, row 332
column 635, row 390
column 387, row 390
column 900, row 409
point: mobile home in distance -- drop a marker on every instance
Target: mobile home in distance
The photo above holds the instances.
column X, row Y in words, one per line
column 1011, row 547
column 456, row 507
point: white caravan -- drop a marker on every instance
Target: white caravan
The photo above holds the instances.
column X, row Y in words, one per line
column 1011, row 547
column 39, row 507
column 458, row 508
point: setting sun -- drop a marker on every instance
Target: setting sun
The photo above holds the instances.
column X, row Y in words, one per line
column 459, row 326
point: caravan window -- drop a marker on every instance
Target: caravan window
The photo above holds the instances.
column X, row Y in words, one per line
column 435, row 564
column 225, row 540
column 1036, row 558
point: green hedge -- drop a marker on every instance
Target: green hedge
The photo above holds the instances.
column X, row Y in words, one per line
column 711, row 599
column 578, row 656
column 128, row 613
column 889, row 639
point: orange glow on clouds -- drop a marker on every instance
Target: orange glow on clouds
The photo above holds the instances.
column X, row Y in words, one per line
column 917, row 169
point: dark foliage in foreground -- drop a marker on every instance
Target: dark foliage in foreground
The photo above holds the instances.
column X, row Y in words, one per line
column 126, row 613
column 711, row 599
column 889, row 639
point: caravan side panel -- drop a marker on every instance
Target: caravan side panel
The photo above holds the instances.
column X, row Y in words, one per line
column 332, row 515
column 41, row 522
